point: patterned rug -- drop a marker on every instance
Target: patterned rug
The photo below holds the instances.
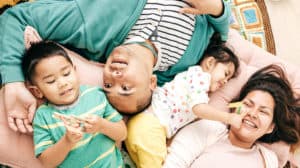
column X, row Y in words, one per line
column 251, row 19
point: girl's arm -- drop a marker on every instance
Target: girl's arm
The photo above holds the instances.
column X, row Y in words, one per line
column 206, row 111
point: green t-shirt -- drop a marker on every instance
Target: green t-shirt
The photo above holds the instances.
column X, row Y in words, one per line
column 93, row 150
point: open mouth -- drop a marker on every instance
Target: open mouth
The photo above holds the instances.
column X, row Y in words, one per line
column 119, row 63
column 249, row 123
column 66, row 92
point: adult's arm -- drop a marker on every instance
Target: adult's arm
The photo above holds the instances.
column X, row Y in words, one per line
column 76, row 23
column 217, row 13
column 191, row 141
column 19, row 104
column 56, row 20
column 221, row 23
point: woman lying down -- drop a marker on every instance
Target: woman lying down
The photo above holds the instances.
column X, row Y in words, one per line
column 271, row 114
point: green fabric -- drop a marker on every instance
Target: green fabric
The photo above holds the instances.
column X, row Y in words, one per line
column 95, row 27
column 49, row 130
column 206, row 25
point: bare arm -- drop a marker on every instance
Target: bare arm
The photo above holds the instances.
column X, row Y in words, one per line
column 206, row 111
column 56, row 154
column 217, row 13
column 115, row 130
column 212, row 7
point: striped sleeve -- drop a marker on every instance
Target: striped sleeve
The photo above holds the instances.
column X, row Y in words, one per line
column 41, row 134
column 111, row 114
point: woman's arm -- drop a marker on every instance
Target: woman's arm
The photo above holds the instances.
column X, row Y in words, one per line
column 191, row 141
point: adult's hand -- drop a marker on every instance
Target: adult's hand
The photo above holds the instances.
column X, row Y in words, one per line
column 20, row 106
column 198, row 7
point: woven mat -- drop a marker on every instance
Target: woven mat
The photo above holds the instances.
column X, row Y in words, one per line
column 267, row 27
column 251, row 19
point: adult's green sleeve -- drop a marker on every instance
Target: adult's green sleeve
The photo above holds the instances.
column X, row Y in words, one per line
column 221, row 24
column 54, row 20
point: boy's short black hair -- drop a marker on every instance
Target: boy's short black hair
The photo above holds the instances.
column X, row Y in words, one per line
column 37, row 52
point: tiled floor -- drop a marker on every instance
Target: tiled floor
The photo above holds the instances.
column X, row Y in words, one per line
column 285, row 21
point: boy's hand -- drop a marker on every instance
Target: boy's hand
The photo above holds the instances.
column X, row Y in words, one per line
column 92, row 124
column 73, row 131
column 198, row 7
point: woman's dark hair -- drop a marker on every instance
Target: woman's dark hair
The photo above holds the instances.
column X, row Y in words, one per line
column 37, row 52
column 222, row 53
column 286, row 116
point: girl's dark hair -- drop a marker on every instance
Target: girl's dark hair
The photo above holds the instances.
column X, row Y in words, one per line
column 286, row 116
column 222, row 53
column 37, row 52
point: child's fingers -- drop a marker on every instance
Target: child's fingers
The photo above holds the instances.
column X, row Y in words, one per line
column 73, row 135
column 243, row 111
column 65, row 121
column 79, row 119
column 73, row 130
column 91, row 119
column 87, row 127
column 68, row 122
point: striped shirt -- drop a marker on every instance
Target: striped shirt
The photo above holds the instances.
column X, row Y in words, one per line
column 93, row 150
column 169, row 30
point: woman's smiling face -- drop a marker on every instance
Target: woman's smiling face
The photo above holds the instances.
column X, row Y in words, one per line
column 259, row 118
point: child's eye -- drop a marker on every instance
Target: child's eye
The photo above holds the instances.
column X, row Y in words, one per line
column 226, row 74
column 126, row 88
column 67, row 73
column 107, row 85
column 50, row 81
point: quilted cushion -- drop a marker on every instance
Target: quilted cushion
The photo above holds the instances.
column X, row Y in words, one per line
column 251, row 19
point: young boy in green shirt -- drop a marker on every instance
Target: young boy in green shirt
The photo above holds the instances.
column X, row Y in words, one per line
column 75, row 126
